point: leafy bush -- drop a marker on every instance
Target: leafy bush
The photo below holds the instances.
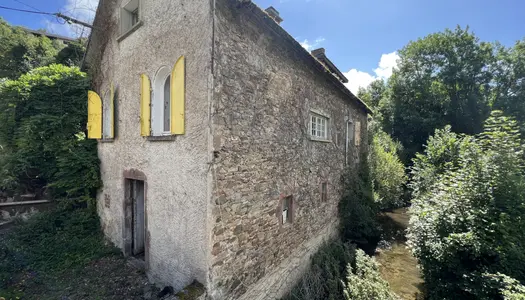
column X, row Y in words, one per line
column 441, row 154
column 357, row 208
column 469, row 220
column 51, row 242
column 364, row 282
column 43, row 117
column 387, row 171
column 322, row 281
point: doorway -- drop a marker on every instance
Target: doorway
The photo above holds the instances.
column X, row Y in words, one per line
column 135, row 215
column 138, row 229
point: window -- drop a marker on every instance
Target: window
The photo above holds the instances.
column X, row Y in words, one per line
column 160, row 107
column 319, row 126
column 167, row 98
column 129, row 16
column 287, row 209
column 324, row 191
column 134, row 17
column 101, row 115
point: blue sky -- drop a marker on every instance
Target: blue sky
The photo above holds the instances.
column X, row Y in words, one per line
column 360, row 36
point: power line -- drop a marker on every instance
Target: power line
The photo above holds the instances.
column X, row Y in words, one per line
column 59, row 15
column 27, row 11
column 27, row 5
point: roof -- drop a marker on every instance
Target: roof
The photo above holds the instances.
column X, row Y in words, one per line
column 307, row 56
column 320, row 55
column 49, row 35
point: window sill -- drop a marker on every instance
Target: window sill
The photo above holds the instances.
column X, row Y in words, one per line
column 107, row 140
column 312, row 138
column 161, row 138
column 130, row 31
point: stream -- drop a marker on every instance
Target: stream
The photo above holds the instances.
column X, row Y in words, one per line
column 397, row 265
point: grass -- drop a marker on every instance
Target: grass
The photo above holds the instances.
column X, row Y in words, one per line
column 61, row 254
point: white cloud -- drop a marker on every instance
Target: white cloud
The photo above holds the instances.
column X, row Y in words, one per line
column 386, row 64
column 83, row 10
column 357, row 79
column 311, row 46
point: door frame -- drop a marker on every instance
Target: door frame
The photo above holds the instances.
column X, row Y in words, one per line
column 127, row 232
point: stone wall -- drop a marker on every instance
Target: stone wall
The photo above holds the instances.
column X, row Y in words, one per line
column 176, row 171
column 265, row 87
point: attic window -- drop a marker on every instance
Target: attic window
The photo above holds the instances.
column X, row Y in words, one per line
column 129, row 17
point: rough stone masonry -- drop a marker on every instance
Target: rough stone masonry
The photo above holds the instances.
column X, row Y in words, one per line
column 214, row 197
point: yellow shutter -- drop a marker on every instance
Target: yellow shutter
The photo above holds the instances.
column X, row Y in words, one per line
column 178, row 96
column 94, row 124
column 145, row 108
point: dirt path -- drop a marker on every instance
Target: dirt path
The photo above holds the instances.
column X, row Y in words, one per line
column 398, row 266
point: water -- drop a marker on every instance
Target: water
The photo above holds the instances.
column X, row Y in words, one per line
column 398, row 266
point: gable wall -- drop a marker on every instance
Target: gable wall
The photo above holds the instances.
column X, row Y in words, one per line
column 175, row 171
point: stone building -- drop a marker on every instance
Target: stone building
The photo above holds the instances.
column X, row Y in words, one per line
column 221, row 140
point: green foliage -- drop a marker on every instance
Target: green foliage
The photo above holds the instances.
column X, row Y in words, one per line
column 441, row 154
column 322, row 281
column 509, row 81
column 357, row 208
column 364, row 281
column 42, row 137
column 373, row 94
column 469, row 221
column 51, row 242
column 441, row 79
column 21, row 51
column 72, row 54
column 387, row 171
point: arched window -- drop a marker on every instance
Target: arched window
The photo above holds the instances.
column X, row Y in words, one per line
column 161, row 104
column 167, row 101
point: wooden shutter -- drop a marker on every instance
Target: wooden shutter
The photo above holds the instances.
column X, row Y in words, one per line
column 145, row 108
column 94, row 125
column 178, row 95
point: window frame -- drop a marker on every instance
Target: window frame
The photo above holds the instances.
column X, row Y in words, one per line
column 324, row 191
column 158, row 111
column 288, row 203
column 319, row 115
column 126, row 17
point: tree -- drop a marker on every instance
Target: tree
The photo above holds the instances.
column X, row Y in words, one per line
column 509, row 86
column 467, row 225
column 21, row 51
column 441, row 79
column 43, row 145
column 373, row 93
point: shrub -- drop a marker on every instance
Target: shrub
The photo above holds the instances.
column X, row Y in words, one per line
column 470, row 221
column 387, row 171
column 322, row 281
column 441, row 154
column 357, row 208
column 43, row 117
column 51, row 242
column 364, row 282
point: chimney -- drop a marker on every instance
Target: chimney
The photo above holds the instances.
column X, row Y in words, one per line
column 274, row 14
column 320, row 55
